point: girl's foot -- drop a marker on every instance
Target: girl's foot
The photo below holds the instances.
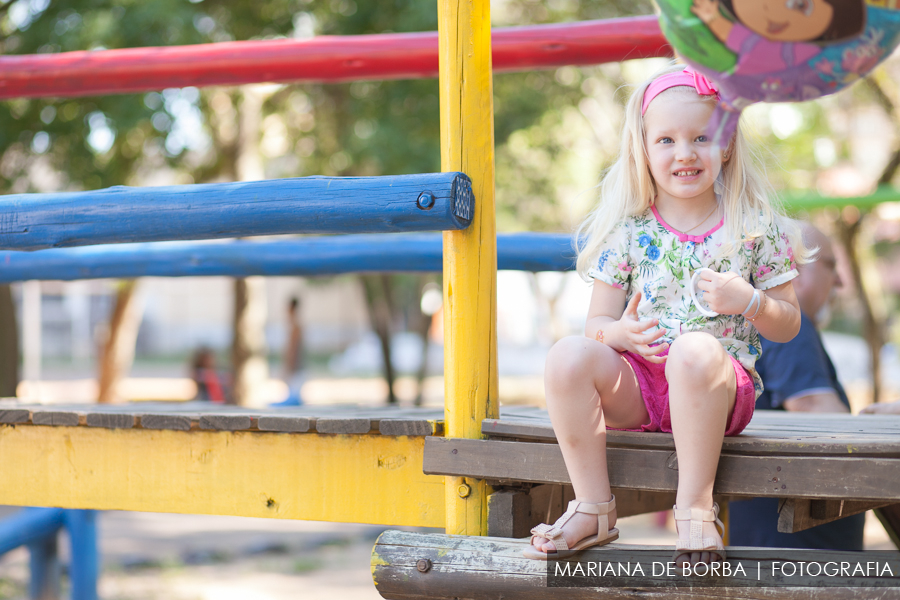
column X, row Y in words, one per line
column 576, row 526
column 693, row 548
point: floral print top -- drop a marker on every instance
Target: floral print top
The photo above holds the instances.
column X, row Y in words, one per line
column 643, row 253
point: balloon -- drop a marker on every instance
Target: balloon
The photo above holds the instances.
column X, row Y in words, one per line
column 778, row 50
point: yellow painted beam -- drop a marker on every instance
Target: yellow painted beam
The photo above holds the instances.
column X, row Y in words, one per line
column 354, row 479
column 470, row 256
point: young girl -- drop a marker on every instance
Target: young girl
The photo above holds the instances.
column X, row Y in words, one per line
column 673, row 209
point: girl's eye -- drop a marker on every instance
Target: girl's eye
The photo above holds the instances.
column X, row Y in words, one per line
column 665, row 140
column 802, row 6
column 702, row 138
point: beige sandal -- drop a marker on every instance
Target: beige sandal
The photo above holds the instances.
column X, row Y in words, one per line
column 696, row 542
column 554, row 533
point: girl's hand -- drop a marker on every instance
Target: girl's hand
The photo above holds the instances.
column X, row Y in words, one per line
column 725, row 293
column 631, row 334
column 706, row 10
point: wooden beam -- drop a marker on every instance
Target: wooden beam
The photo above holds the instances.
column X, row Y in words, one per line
column 657, row 470
column 470, row 256
column 305, row 257
column 428, row 202
column 342, row 478
column 795, row 514
column 415, row 565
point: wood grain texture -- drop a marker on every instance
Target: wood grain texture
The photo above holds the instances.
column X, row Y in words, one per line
column 770, row 432
column 358, row 425
column 225, row 210
column 657, row 470
column 307, row 257
column 480, row 568
column 470, row 257
column 110, row 420
column 173, row 421
column 796, row 515
column 15, row 415
column 226, row 422
column 284, row 424
column 406, row 427
column 56, row 418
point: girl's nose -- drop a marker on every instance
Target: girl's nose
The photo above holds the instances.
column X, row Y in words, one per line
column 685, row 151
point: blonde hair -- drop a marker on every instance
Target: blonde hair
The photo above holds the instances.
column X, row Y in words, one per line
column 628, row 190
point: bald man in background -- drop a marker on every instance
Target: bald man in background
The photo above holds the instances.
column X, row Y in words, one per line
column 799, row 377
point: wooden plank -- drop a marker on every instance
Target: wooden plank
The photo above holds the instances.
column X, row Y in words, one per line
column 657, row 470
column 510, row 514
column 795, row 514
column 173, row 421
column 407, row 427
column 756, row 441
column 226, row 422
column 226, row 210
column 15, row 415
column 110, row 420
column 55, row 417
column 890, row 519
column 239, row 473
column 284, row 424
column 307, row 257
column 415, row 565
column 343, row 426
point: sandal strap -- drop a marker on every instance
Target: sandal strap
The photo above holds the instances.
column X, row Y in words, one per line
column 554, row 533
column 698, row 516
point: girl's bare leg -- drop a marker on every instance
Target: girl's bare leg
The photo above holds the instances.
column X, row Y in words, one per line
column 588, row 385
column 702, row 388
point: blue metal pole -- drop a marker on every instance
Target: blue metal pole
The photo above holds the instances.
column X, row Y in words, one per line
column 29, row 525
column 425, row 202
column 84, row 567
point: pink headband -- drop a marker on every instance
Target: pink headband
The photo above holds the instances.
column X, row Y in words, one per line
column 687, row 77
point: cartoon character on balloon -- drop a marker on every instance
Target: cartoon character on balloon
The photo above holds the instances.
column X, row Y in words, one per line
column 778, row 50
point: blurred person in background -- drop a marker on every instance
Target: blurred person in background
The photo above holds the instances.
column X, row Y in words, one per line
column 293, row 359
column 205, row 376
column 799, row 376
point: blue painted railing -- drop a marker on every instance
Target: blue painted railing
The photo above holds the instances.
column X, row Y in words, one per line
column 37, row 529
column 387, row 204
column 311, row 256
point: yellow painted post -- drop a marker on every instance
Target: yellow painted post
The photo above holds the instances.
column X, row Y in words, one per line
column 470, row 256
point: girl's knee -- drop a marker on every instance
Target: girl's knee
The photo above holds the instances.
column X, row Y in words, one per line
column 696, row 355
column 575, row 358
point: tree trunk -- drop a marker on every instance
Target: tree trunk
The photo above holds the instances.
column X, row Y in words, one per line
column 380, row 304
column 248, row 351
column 118, row 349
column 249, row 363
column 873, row 318
column 9, row 344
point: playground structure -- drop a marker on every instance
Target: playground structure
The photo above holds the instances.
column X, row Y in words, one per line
column 364, row 466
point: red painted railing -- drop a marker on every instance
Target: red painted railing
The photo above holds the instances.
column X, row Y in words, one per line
column 321, row 59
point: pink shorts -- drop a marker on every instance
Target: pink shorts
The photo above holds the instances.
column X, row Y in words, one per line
column 655, row 392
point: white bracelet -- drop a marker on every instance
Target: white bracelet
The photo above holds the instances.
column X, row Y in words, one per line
column 753, row 299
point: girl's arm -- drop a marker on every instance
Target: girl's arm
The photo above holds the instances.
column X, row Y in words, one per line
column 778, row 318
column 620, row 329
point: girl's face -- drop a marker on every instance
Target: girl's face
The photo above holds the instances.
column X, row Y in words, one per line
column 678, row 151
column 785, row 20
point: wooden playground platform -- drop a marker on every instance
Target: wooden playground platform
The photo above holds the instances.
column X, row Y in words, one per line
column 822, row 466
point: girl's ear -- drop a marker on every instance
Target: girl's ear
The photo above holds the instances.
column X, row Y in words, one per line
column 727, row 153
